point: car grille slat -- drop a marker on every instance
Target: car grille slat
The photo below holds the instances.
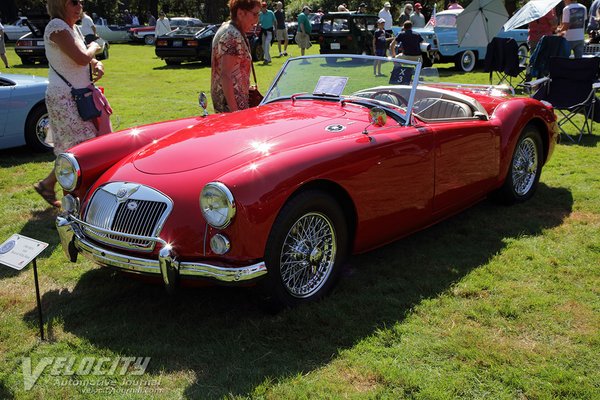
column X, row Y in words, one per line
column 140, row 211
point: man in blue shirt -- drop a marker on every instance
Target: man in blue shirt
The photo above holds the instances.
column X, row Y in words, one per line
column 267, row 22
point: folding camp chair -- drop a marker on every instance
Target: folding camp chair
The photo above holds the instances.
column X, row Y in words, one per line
column 571, row 88
column 547, row 47
column 504, row 63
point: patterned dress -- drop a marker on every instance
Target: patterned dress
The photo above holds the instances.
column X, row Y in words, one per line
column 67, row 127
column 230, row 41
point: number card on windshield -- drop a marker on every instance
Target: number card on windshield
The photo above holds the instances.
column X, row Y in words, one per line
column 330, row 86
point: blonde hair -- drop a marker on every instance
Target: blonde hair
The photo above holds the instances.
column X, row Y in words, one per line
column 57, row 8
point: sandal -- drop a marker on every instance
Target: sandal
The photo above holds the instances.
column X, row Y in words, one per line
column 47, row 194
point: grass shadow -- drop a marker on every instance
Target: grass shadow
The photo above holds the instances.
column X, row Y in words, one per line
column 21, row 155
column 189, row 65
column 231, row 344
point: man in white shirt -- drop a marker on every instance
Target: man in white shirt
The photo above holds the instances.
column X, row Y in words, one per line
column 162, row 25
column 88, row 29
column 387, row 16
column 572, row 26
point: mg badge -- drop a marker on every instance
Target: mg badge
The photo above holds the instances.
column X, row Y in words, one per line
column 126, row 191
column 132, row 205
column 335, row 128
column 121, row 193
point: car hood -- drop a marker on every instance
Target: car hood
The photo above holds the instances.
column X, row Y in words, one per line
column 256, row 131
column 22, row 79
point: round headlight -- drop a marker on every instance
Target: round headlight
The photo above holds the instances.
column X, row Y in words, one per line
column 67, row 171
column 217, row 205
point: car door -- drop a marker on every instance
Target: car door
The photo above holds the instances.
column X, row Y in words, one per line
column 395, row 189
column 5, row 94
column 466, row 162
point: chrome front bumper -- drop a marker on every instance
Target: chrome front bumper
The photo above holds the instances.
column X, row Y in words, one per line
column 74, row 242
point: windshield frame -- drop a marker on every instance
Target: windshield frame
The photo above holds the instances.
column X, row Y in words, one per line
column 406, row 119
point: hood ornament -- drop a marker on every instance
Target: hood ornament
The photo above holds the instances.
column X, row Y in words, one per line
column 125, row 192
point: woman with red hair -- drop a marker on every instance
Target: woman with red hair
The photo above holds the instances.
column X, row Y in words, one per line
column 231, row 57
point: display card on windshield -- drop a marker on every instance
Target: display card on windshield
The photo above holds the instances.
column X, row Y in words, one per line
column 330, row 86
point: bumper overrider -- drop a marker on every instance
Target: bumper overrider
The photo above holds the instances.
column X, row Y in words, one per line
column 167, row 266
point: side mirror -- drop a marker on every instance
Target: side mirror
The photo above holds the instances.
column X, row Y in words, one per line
column 203, row 102
column 377, row 116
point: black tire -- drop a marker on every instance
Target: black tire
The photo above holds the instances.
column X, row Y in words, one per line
column 149, row 40
column 172, row 62
column 301, row 269
column 27, row 61
column 523, row 53
column 525, row 168
column 36, row 129
column 466, row 61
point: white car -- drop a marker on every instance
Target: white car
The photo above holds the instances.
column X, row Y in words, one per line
column 112, row 33
column 15, row 30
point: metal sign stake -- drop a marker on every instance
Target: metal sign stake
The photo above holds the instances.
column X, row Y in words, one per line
column 39, row 301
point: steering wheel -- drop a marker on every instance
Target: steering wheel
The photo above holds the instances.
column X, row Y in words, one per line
column 399, row 98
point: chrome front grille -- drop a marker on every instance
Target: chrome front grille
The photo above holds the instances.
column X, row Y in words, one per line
column 131, row 212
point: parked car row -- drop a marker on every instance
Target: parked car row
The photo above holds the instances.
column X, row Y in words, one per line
column 194, row 43
column 31, row 49
column 146, row 34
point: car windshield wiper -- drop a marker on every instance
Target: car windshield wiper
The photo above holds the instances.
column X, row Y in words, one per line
column 325, row 94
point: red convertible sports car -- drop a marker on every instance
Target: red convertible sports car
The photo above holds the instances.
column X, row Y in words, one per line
column 335, row 161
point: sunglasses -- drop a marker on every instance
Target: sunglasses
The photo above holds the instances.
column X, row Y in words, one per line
column 76, row 2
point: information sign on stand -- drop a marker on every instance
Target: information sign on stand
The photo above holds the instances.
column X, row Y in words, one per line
column 17, row 252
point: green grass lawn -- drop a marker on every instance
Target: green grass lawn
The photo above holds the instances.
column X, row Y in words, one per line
column 494, row 303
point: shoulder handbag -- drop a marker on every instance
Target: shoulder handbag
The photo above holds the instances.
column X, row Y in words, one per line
column 84, row 100
column 254, row 96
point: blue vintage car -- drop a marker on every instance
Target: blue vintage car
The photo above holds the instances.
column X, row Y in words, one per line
column 23, row 113
column 443, row 38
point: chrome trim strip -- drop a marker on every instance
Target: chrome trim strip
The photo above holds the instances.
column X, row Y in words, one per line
column 72, row 238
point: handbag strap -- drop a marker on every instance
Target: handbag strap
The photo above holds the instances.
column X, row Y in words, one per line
column 61, row 77
column 249, row 52
column 90, row 65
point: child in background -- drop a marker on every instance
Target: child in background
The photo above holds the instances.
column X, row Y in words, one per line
column 380, row 45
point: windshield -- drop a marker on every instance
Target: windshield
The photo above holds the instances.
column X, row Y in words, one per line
column 443, row 21
column 350, row 78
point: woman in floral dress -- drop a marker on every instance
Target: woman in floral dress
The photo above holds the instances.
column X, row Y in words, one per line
column 231, row 58
column 68, row 55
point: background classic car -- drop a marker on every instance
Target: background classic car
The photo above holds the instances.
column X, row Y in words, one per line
column 335, row 161
column 186, row 44
column 23, row 114
column 146, row 33
column 30, row 47
column 347, row 33
column 112, row 33
column 195, row 44
column 16, row 29
column 443, row 38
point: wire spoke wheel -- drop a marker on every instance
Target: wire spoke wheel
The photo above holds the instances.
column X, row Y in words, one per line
column 525, row 166
column 308, row 255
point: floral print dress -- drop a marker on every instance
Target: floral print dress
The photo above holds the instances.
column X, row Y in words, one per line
column 66, row 126
column 230, row 41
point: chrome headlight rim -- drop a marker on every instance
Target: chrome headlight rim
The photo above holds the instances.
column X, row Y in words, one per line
column 230, row 201
column 76, row 171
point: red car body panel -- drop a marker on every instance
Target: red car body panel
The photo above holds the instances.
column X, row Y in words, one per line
column 396, row 179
